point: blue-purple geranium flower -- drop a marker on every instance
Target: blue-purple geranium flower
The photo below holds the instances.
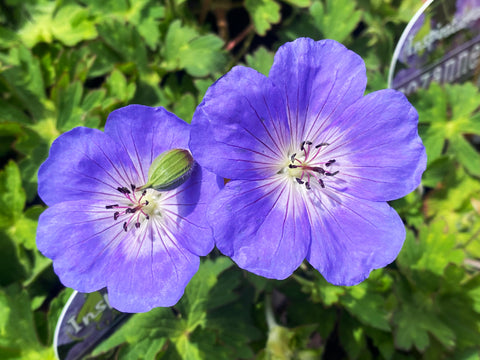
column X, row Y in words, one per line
column 101, row 230
column 312, row 163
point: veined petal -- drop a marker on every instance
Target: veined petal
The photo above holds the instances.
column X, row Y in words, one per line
column 319, row 80
column 377, row 148
column 351, row 237
column 149, row 271
column 240, row 130
column 262, row 226
column 80, row 237
column 84, row 164
column 184, row 210
column 136, row 129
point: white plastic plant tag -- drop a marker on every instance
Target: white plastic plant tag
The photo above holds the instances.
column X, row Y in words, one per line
column 441, row 43
column 85, row 321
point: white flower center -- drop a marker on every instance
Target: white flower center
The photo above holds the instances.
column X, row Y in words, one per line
column 307, row 166
column 137, row 206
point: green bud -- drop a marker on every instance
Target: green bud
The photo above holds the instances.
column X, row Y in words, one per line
column 169, row 170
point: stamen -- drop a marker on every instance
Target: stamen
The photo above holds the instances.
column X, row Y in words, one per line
column 322, row 184
column 111, row 206
column 308, row 142
column 292, row 158
column 137, row 225
column 147, row 217
column 302, row 145
column 291, row 166
column 321, row 144
column 330, row 162
column 319, row 170
column 133, row 187
column 146, row 202
column 131, row 211
column 125, row 226
column 299, row 181
column 116, row 214
column 307, row 185
column 123, row 190
column 331, row 174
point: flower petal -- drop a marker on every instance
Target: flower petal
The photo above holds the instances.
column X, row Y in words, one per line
column 149, row 271
column 144, row 132
column 185, row 208
column 83, row 164
column 262, row 226
column 351, row 237
column 377, row 148
column 79, row 236
column 319, row 80
column 240, row 130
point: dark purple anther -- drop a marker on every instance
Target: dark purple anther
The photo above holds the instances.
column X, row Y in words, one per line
column 330, row 162
column 302, row 146
column 137, row 225
column 331, row 174
column 319, row 170
column 307, row 185
column 125, row 226
column 321, row 144
column 116, row 214
column 292, row 158
column 292, row 166
column 111, row 206
column 322, row 184
column 299, row 181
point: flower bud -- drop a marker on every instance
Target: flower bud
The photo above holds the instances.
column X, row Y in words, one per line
column 169, row 170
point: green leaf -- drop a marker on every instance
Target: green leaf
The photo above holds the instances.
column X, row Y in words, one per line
column 336, row 19
column 467, row 155
column 463, row 99
column 125, row 42
column 264, row 13
column 416, row 318
column 72, row 24
column 185, row 107
column 367, row 306
column 12, row 195
column 11, row 268
column 69, row 112
column 118, row 89
column 261, row 60
column 23, row 77
column 18, row 338
column 299, row 3
column 38, row 29
column 433, row 251
column 186, row 49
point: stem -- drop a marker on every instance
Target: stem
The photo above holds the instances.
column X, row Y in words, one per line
column 234, row 42
column 269, row 316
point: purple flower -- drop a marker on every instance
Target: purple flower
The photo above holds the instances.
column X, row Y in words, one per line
column 312, row 163
column 100, row 230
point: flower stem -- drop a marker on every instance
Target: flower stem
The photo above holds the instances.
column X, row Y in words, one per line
column 269, row 316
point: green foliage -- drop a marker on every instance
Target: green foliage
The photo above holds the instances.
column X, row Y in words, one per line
column 70, row 63
column 210, row 321
column 335, row 19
